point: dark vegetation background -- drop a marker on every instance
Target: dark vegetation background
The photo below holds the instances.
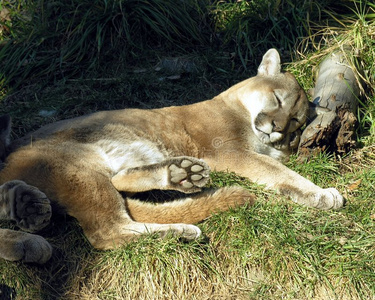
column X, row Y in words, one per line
column 72, row 57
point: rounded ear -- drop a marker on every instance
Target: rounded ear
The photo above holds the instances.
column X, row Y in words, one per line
column 270, row 65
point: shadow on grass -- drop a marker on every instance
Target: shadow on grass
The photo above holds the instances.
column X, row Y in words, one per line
column 71, row 251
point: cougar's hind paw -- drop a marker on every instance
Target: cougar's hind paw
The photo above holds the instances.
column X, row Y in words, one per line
column 31, row 208
column 24, row 246
column 188, row 174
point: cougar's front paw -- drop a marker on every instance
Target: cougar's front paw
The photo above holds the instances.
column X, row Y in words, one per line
column 188, row 174
column 289, row 142
column 29, row 207
column 184, row 231
column 329, row 199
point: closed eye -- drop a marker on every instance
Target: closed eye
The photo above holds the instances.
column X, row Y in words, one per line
column 279, row 102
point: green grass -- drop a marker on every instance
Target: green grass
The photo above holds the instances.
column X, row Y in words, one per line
column 54, row 40
column 252, row 27
column 60, row 39
column 272, row 250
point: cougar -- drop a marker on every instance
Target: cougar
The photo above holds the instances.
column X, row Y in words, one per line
column 83, row 164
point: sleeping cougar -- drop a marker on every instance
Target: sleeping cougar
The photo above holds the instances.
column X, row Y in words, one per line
column 83, row 163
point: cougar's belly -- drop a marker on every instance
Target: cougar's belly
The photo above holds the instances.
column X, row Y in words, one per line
column 119, row 155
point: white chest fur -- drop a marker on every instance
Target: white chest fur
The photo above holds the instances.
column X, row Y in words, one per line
column 123, row 155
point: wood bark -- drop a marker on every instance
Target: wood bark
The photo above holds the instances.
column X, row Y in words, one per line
column 332, row 118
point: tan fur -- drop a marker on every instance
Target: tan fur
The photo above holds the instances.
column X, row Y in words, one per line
column 83, row 163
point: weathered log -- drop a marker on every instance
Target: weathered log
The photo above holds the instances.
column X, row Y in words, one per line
column 332, row 117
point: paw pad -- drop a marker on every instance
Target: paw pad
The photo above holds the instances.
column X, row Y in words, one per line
column 188, row 174
column 32, row 209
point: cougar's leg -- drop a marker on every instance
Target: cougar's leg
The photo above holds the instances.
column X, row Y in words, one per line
column 274, row 175
column 185, row 174
column 100, row 210
column 88, row 195
column 124, row 233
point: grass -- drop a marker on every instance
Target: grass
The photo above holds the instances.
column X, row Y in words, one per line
column 54, row 40
column 59, row 39
column 252, row 27
column 272, row 250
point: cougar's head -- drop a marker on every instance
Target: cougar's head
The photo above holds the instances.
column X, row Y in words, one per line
column 277, row 104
